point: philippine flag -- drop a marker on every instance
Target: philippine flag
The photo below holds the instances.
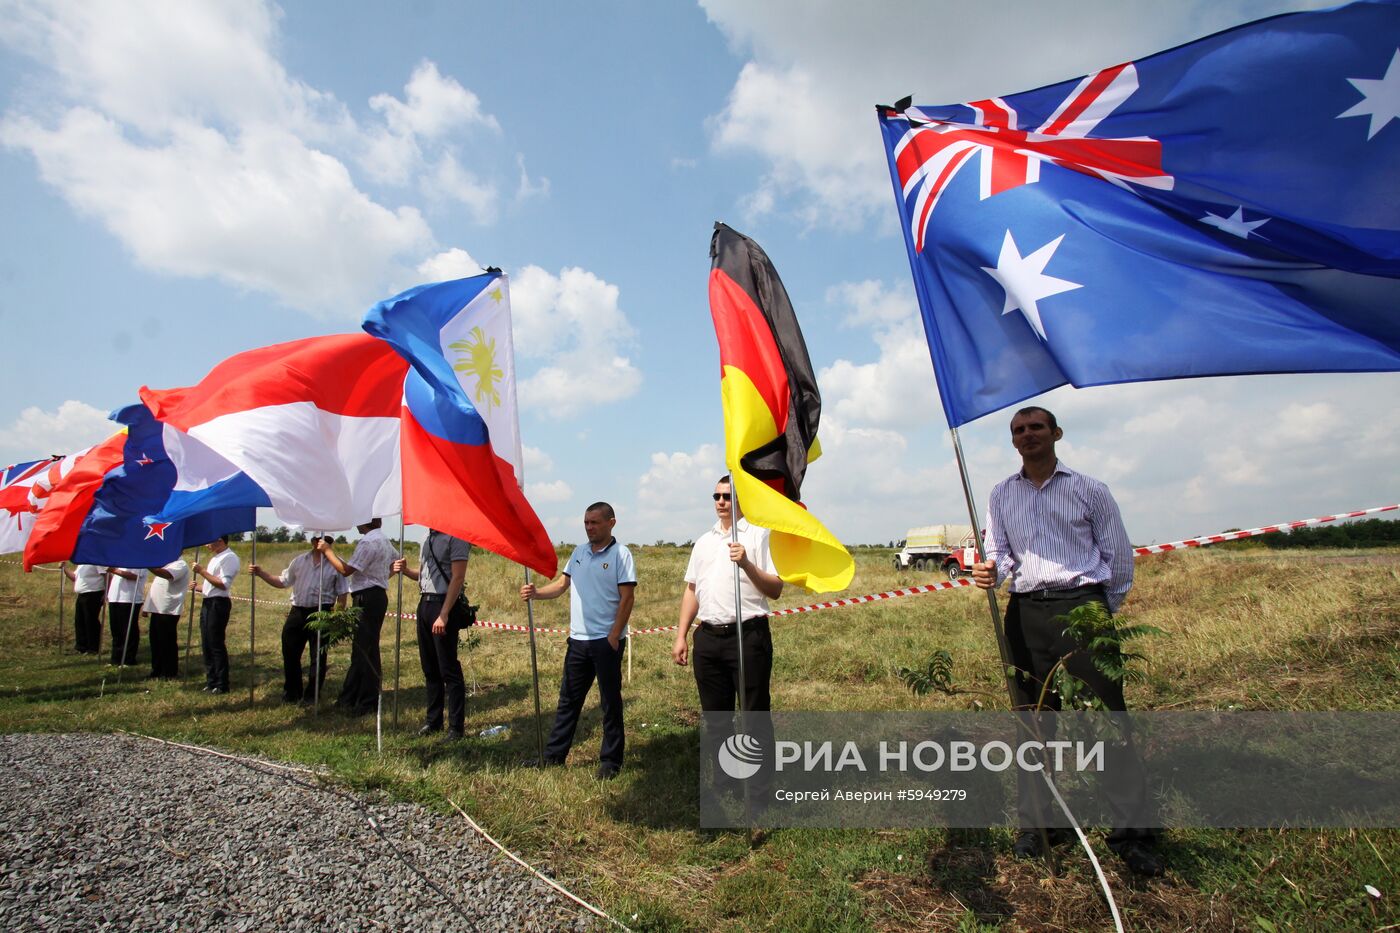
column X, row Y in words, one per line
column 314, row 423
column 461, row 455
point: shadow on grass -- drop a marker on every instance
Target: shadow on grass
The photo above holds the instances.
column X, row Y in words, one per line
column 661, row 792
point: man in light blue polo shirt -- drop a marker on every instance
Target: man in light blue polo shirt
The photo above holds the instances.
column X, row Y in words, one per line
column 603, row 581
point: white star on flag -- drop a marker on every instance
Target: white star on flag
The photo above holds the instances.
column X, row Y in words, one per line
column 1025, row 281
column 1235, row 223
column 1380, row 97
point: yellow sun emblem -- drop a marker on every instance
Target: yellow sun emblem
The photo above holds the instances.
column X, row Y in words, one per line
column 478, row 356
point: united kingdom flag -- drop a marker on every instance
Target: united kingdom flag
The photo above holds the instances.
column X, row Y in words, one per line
column 933, row 149
column 1226, row 207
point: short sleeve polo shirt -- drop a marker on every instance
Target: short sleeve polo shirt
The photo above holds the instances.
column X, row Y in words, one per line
column 595, row 578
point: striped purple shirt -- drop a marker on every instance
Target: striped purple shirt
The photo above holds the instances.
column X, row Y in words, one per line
column 1066, row 534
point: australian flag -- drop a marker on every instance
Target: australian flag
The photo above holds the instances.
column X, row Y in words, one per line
column 1226, row 207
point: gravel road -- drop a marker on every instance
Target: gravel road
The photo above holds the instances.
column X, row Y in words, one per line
column 113, row 832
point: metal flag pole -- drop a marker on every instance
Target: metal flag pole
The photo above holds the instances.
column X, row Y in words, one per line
column 61, row 577
column 189, row 627
column 320, row 604
column 1003, row 649
column 398, row 624
column 535, row 671
column 739, row 636
column 252, row 621
column 130, row 623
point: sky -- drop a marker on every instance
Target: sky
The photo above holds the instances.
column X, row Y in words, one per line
column 181, row 182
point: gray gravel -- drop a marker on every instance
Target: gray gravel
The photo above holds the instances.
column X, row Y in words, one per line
column 112, row 832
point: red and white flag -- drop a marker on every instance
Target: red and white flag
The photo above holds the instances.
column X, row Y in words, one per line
column 313, row 422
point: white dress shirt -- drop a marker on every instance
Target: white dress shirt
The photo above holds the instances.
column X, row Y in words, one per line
column 88, row 578
column 314, row 583
column 167, row 597
column 122, row 590
column 371, row 559
column 712, row 572
column 223, row 565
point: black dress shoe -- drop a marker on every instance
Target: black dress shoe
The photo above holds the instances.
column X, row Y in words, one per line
column 606, row 772
column 1028, row 843
column 454, row 735
column 429, row 730
column 1142, row 859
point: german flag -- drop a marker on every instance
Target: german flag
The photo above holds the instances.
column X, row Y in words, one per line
column 771, row 410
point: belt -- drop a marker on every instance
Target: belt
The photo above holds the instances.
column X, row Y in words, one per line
column 728, row 628
column 1093, row 589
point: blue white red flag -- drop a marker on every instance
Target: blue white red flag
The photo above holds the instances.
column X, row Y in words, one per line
column 1230, row 206
column 460, row 437
column 313, row 423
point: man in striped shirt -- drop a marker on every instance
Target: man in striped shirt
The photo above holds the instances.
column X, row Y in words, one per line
column 1057, row 536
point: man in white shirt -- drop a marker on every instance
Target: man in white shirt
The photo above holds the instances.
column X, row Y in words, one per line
column 165, row 600
column 709, row 596
column 214, row 611
column 368, row 570
column 316, row 586
column 88, row 583
column 123, row 609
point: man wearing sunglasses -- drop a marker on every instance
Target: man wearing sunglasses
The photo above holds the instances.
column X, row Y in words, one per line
column 709, row 597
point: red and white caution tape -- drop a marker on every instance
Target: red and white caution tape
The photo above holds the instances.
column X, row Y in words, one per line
column 1202, row 541
column 1254, row 532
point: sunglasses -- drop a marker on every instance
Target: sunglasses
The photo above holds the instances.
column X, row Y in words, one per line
column 723, row 495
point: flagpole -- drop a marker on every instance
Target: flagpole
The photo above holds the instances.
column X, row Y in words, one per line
column 739, row 635
column 992, row 608
column 398, row 624
column 1003, row 649
column 253, row 618
column 535, row 672
column 320, row 604
column 189, row 594
column 61, row 576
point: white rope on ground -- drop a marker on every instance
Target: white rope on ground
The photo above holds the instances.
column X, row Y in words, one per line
column 515, row 858
column 1093, row 859
column 218, row 754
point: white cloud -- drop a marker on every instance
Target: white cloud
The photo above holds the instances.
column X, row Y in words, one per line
column 432, row 106
column 260, row 210
column 450, row 264
column 554, row 491
column 537, row 461
column 37, row 433
column 449, row 180
column 673, row 495
column 805, row 99
column 180, row 131
column 529, row 187
column 573, row 323
column 898, row 388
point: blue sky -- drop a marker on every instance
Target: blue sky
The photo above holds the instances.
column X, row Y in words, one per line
column 185, row 181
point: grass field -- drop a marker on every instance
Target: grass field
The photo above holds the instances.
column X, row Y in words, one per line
column 1246, row 628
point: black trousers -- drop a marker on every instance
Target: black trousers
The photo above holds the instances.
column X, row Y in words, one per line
column 1037, row 642
column 87, row 623
column 442, row 672
column 360, row 692
column 213, row 624
column 119, row 616
column 295, row 637
column 165, row 647
column 715, row 659
column 584, row 661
